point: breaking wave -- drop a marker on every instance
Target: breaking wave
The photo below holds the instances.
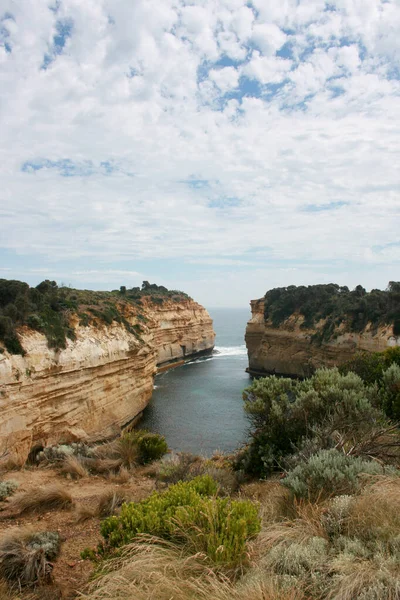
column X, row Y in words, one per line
column 229, row 351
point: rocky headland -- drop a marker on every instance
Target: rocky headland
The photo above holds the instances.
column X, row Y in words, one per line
column 294, row 331
column 102, row 378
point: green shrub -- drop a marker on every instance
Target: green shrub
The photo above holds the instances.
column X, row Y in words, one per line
column 151, row 446
column 329, row 473
column 140, row 446
column 391, row 391
column 7, row 488
column 286, row 414
column 217, row 526
column 185, row 467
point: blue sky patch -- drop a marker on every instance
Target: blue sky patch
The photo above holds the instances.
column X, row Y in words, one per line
column 64, row 29
column 224, row 203
column 70, row 168
column 324, row 207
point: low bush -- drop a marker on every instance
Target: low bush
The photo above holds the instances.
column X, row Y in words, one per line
column 218, row 527
column 391, row 391
column 288, row 416
column 7, row 488
column 40, row 500
column 184, row 467
column 330, row 472
column 151, row 446
column 26, row 557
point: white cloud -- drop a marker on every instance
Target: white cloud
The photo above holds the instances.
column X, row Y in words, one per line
column 269, row 38
column 225, row 79
column 267, row 69
column 155, row 97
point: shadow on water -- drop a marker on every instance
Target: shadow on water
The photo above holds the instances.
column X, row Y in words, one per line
column 198, row 407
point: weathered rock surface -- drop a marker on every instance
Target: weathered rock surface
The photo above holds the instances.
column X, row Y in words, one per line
column 290, row 350
column 100, row 382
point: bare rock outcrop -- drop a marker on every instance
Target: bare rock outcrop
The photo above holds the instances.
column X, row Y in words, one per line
column 100, row 382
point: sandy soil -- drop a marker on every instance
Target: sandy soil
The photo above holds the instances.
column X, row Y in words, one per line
column 70, row 573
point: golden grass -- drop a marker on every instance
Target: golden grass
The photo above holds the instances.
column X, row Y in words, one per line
column 102, row 466
column 74, row 467
column 365, row 578
column 122, row 476
column 107, row 505
column 52, row 497
column 275, row 500
column 375, row 514
column 109, row 502
column 25, row 556
column 159, row 570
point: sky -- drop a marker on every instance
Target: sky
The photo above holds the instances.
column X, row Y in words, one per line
column 220, row 147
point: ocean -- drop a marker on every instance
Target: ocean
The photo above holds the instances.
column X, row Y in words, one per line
column 198, row 407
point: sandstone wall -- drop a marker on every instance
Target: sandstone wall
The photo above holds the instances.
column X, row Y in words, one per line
column 289, row 350
column 99, row 383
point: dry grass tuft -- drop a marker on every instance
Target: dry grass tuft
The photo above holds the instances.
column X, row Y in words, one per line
column 109, row 502
column 276, row 502
column 53, row 497
column 84, row 513
column 73, row 467
column 26, row 556
column 102, row 466
column 123, row 476
column 375, row 514
column 106, row 506
column 157, row 569
column 371, row 579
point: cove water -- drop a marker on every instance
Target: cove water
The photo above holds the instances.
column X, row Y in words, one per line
column 198, row 407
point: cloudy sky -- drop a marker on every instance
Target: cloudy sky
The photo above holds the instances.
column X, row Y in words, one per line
column 222, row 147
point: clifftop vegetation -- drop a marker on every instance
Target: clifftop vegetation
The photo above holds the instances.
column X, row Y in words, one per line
column 48, row 308
column 335, row 305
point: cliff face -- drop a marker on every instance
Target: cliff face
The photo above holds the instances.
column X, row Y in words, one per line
column 100, row 382
column 290, row 350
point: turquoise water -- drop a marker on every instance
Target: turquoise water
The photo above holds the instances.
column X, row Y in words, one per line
column 198, row 407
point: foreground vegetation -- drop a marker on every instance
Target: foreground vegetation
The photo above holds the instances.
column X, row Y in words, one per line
column 309, row 509
column 335, row 305
column 48, row 308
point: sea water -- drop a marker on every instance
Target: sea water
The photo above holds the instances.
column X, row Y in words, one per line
column 198, row 407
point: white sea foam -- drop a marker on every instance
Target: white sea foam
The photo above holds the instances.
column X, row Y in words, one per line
column 220, row 351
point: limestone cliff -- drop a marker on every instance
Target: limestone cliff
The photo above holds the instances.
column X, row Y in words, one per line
column 291, row 350
column 101, row 381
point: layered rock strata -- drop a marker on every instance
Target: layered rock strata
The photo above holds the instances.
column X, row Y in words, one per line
column 100, row 382
column 291, row 350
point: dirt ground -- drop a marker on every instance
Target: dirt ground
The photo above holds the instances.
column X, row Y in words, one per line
column 70, row 572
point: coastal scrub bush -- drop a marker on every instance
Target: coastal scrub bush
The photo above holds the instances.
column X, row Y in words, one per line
column 218, row 527
column 137, row 446
column 151, row 446
column 26, row 557
column 391, row 391
column 288, row 415
column 330, row 472
column 185, row 466
column 7, row 488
